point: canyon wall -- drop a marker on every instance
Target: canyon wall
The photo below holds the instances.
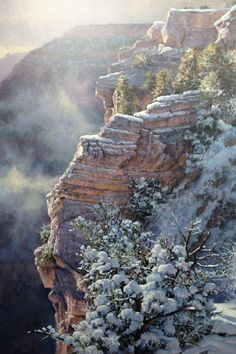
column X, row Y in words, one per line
column 149, row 144
column 164, row 44
column 48, row 96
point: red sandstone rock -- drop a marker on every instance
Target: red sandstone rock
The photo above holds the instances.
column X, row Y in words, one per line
column 126, row 147
column 191, row 27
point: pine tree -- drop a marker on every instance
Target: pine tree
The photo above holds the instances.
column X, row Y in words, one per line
column 143, row 295
column 149, row 83
column 164, row 83
column 188, row 74
column 125, row 96
column 218, row 63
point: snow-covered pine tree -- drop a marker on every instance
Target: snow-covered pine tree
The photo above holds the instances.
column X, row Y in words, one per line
column 144, row 293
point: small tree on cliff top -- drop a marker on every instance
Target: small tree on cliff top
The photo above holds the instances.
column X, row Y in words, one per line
column 164, row 83
column 125, row 96
column 188, row 74
column 219, row 76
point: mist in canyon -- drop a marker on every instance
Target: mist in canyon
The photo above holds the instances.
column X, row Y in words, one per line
column 46, row 103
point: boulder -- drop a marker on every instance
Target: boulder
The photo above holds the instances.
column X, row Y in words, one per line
column 191, row 27
column 154, row 32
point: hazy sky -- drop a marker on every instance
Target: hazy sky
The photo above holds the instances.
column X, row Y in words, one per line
column 25, row 24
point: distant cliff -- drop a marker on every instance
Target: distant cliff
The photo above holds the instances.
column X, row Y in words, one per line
column 8, row 62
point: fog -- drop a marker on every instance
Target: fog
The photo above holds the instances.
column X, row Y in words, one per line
column 45, row 106
column 27, row 24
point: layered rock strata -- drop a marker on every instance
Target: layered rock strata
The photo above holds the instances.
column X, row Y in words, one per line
column 191, row 27
column 148, row 144
column 164, row 44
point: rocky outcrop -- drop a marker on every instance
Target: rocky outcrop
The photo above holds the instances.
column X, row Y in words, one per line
column 148, row 144
column 152, row 38
column 164, row 44
column 191, row 27
column 226, row 27
column 161, row 57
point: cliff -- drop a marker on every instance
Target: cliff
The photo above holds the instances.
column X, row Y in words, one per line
column 164, row 44
column 47, row 97
column 150, row 144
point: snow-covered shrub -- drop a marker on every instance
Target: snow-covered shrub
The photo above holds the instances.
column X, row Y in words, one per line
column 202, row 134
column 229, row 275
column 143, row 295
column 146, row 195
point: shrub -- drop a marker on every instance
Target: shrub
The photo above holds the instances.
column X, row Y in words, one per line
column 210, row 89
column 46, row 258
column 45, row 233
column 143, row 295
column 147, row 194
column 141, row 60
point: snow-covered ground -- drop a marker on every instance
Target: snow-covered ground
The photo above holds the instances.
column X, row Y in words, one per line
column 223, row 343
column 225, row 324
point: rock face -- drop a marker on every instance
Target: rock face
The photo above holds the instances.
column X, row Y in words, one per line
column 48, row 97
column 189, row 28
column 148, row 144
column 164, row 44
column 226, row 27
column 161, row 57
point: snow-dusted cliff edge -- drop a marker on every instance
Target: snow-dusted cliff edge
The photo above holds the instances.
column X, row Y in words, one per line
column 150, row 144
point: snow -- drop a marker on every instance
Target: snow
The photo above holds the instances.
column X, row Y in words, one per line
column 214, row 343
column 208, row 288
column 181, row 293
column 224, row 326
column 195, row 10
column 217, row 165
column 179, row 250
column 119, row 278
column 132, row 288
column 167, row 269
column 100, row 300
column 127, row 117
